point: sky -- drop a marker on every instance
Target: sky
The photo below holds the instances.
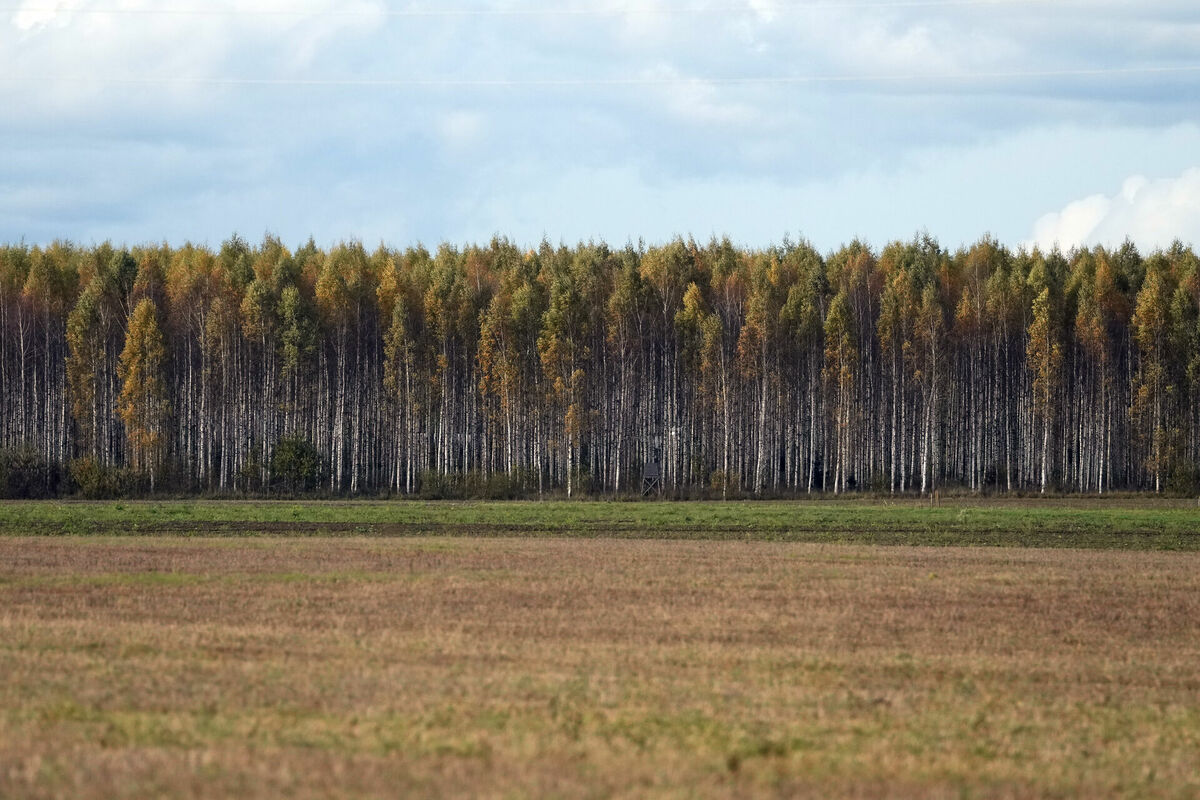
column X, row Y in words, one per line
column 1068, row 122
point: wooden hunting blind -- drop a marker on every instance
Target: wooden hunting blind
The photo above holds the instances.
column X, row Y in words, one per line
column 651, row 477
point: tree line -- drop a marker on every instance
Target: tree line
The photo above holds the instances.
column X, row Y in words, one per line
column 499, row 370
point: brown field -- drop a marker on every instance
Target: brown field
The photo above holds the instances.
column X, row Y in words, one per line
column 593, row 668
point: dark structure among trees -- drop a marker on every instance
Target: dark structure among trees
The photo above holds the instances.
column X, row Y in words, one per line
column 569, row 369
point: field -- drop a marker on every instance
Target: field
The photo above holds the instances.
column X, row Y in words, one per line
column 1128, row 522
column 594, row 650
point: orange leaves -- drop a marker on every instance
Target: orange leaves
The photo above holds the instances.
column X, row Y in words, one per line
column 143, row 403
column 1044, row 351
column 840, row 352
column 750, row 346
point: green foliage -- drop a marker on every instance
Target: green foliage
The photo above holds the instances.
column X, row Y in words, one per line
column 297, row 339
column 475, row 486
column 1121, row 523
column 118, row 276
column 85, row 343
column 296, row 464
column 97, row 481
column 250, row 475
column 27, row 474
column 1184, row 480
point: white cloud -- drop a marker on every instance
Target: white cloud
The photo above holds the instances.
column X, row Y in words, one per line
column 696, row 101
column 1152, row 213
column 136, row 124
column 140, row 38
column 35, row 15
column 461, row 129
column 764, row 10
column 958, row 194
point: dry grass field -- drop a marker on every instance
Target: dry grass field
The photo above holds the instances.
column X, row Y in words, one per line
column 513, row 667
column 516, row 667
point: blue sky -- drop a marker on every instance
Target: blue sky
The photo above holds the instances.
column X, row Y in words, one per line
column 1033, row 120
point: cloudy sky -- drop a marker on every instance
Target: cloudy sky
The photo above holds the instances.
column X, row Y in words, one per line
column 1069, row 121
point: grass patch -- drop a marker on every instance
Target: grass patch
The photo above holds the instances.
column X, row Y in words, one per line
column 1120, row 523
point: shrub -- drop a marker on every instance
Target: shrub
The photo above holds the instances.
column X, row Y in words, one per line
column 1184, row 479
column 433, row 485
column 97, row 481
column 26, row 474
column 250, row 473
column 296, row 464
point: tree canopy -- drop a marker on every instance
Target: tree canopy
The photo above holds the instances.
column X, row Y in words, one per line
column 736, row 370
